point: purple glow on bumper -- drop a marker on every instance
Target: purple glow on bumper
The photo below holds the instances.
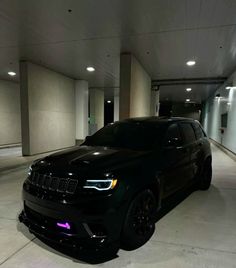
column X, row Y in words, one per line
column 65, row 225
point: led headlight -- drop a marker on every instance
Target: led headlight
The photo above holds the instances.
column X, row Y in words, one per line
column 101, row 185
column 29, row 170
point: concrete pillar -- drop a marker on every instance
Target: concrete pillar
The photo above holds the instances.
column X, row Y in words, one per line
column 135, row 88
column 47, row 109
column 10, row 126
column 155, row 102
column 116, row 104
column 81, row 110
column 96, row 105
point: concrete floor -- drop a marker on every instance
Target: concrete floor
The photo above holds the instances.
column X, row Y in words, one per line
column 11, row 157
column 199, row 232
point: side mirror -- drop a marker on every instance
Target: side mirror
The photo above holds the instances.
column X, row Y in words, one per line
column 87, row 138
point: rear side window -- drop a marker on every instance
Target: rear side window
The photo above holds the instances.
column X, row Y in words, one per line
column 173, row 132
column 188, row 133
column 198, row 131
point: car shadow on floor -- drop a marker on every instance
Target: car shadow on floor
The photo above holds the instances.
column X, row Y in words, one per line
column 170, row 203
column 173, row 201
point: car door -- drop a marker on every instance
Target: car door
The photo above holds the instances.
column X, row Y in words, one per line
column 190, row 144
column 175, row 160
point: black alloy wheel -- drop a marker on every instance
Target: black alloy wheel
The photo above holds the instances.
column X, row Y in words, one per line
column 139, row 224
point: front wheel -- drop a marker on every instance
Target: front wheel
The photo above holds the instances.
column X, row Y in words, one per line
column 206, row 176
column 139, row 224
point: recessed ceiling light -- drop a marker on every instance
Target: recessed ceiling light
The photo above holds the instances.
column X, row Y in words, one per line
column 12, row 73
column 191, row 62
column 187, row 100
column 188, row 89
column 108, row 101
column 90, row 69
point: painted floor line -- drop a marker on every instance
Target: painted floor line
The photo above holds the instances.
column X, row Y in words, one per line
column 195, row 247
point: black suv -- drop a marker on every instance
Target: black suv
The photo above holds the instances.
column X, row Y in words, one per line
column 108, row 191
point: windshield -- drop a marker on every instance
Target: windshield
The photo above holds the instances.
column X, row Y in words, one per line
column 136, row 136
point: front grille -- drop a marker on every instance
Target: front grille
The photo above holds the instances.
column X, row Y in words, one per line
column 61, row 185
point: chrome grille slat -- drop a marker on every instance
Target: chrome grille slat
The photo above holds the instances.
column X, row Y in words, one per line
column 61, row 185
column 47, row 182
column 72, row 184
column 36, row 178
column 54, row 184
column 40, row 180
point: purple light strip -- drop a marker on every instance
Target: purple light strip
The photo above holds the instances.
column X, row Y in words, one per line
column 65, row 225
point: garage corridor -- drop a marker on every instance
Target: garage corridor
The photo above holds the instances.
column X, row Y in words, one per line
column 199, row 232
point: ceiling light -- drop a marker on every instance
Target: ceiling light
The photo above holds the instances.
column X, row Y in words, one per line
column 108, row 101
column 12, row 73
column 187, row 100
column 228, row 87
column 191, row 62
column 188, row 89
column 90, row 69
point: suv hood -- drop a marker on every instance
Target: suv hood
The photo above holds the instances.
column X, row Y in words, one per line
column 93, row 157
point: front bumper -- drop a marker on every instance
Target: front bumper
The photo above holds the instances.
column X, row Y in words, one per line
column 74, row 241
column 91, row 226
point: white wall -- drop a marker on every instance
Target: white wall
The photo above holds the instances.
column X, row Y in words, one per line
column 155, row 102
column 125, row 83
column 10, row 121
column 213, row 110
column 48, row 109
column 135, row 88
column 96, row 102
column 81, row 109
column 116, row 104
column 140, row 90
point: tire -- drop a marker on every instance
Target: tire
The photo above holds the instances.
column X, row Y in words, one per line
column 139, row 223
column 206, row 176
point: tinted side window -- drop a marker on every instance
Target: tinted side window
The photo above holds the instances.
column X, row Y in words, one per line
column 173, row 132
column 198, row 131
column 188, row 132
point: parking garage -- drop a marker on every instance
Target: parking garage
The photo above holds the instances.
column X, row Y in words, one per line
column 69, row 68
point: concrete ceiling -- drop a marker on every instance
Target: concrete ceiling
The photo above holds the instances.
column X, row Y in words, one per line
column 162, row 34
column 178, row 93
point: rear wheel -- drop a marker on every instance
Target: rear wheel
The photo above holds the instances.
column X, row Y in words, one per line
column 206, row 176
column 139, row 224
